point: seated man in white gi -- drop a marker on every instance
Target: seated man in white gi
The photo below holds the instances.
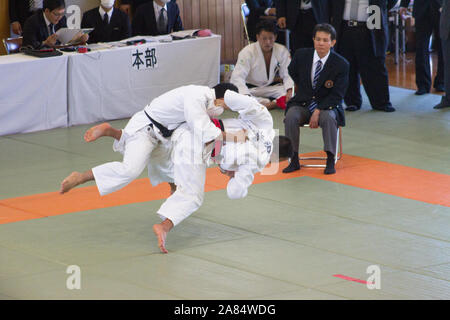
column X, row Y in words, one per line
column 261, row 66
column 150, row 127
column 240, row 161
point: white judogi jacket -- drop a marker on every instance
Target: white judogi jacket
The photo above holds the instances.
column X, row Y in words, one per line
column 246, row 159
column 188, row 104
column 251, row 67
column 189, row 159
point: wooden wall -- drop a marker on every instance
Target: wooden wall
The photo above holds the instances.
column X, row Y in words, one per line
column 4, row 24
column 221, row 16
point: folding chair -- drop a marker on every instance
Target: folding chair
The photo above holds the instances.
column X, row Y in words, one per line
column 336, row 157
column 12, row 45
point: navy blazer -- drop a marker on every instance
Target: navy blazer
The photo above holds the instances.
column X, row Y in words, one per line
column 380, row 37
column 119, row 26
column 35, row 30
column 421, row 7
column 331, row 85
column 290, row 9
column 144, row 21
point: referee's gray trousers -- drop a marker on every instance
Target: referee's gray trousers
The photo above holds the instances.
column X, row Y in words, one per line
column 297, row 116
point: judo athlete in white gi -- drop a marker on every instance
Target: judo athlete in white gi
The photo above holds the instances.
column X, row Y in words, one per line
column 149, row 128
column 240, row 161
column 260, row 66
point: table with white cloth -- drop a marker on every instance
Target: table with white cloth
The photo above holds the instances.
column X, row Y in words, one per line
column 104, row 84
column 33, row 93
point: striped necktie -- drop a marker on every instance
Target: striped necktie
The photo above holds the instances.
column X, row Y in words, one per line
column 162, row 22
column 31, row 5
column 313, row 104
column 50, row 28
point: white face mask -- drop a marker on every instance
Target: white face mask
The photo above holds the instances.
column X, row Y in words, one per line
column 107, row 3
column 165, row 1
column 212, row 110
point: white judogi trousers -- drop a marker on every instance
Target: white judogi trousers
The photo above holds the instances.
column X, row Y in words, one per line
column 138, row 145
column 263, row 93
column 188, row 171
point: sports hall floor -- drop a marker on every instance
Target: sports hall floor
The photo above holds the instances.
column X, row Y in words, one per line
column 298, row 236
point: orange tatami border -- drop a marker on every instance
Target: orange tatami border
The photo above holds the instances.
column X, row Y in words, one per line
column 379, row 176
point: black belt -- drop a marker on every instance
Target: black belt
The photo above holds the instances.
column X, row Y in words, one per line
column 165, row 132
column 251, row 86
column 354, row 23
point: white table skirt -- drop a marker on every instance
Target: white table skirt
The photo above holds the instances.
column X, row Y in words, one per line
column 103, row 85
column 33, row 93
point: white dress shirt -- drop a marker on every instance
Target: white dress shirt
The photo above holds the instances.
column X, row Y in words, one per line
column 314, row 65
column 47, row 22
column 362, row 10
column 305, row 5
column 157, row 9
column 109, row 13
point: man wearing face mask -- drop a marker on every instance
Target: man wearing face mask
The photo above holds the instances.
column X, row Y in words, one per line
column 153, row 126
column 157, row 17
column 109, row 24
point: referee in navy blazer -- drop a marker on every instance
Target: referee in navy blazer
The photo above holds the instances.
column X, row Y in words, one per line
column 145, row 21
column 321, row 78
column 108, row 26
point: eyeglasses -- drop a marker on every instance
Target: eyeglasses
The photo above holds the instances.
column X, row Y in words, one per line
column 58, row 15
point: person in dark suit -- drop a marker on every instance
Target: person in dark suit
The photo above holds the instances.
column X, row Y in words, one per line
column 427, row 15
column 109, row 24
column 257, row 9
column 445, row 38
column 300, row 17
column 19, row 12
column 130, row 6
column 39, row 29
column 321, row 76
column 157, row 17
column 363, row 41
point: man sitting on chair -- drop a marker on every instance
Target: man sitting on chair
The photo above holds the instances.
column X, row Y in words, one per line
column 260, row 64
column 321, row 76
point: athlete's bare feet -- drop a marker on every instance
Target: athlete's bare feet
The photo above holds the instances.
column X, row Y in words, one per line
column 97, row 131
column 75, row 179
column 161, row 231
column 70, row 182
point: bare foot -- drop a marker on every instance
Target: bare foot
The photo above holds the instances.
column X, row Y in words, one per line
column 161, row 234
column 96, row 132
column 74, row 179
column 161, row 231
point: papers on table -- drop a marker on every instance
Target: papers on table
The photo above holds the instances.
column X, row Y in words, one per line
column 71, row 36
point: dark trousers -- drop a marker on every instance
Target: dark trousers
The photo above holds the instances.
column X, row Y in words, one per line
column 446, row 54
column 425, row 27
column 302, row 34
column 297, row 116
column 356, row 46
